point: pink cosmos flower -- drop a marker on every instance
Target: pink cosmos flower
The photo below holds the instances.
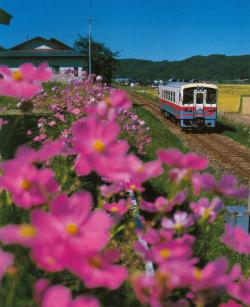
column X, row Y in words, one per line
column 230, row 303
column 68, row 229
column 97, row 270
column 228, row 185
column 177, row 159
column 6, row 260
column 96, row 145
column 181, row 220
column 118, row 208
column 39, row 289
column 40, row 137
column 24, row 234
column 206, row 210
column 148, row 289
column 237, row 239
column 176, row 272
column 240, row 290
column 162, row 204
column 116, row 102
column 29, row 186
column 60, row 296
column 180, row 248
column 25, row 82
column 141, row 172
column 3, row 122
column 214, row 275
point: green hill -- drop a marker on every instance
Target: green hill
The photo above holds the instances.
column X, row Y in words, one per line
column 212, row 67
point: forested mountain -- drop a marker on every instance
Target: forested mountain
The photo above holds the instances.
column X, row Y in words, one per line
column 212, row 67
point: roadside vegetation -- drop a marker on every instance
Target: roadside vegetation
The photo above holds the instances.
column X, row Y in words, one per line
column 239, row 132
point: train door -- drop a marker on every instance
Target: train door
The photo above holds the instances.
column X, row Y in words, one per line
column 199, row 102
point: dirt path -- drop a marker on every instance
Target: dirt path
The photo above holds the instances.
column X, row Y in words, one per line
column 223, row 152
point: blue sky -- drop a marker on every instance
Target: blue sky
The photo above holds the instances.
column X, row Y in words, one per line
column 145, row 29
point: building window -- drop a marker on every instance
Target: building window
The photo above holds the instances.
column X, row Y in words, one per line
column 76, row 71
column 55, row 69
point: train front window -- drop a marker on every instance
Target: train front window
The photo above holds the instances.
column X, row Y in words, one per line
column 199, row 98
column 188, row 95
column 211, row 96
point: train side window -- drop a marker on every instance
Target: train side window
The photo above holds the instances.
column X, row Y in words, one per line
column 211, row 96
column 179, row 97
column 174, row 97
column 188, row 95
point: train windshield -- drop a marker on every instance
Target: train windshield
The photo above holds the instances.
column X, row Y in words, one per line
column 211, row 96
column 188, row 95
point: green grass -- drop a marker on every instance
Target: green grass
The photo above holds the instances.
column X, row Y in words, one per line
column 236, row 131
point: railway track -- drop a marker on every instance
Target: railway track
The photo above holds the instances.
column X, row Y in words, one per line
column 222, row 151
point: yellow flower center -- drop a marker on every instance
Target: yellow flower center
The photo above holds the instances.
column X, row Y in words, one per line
column 113, row 209
column 17, row 75
column 95, row 262
column 25, row 184
column 50, row 260
column 27, row 231
column 178, row 226
column 108, row 102
column 72, row 229
column 161, row 277
column 165, row 253
column 99, row 146
column 140, row 169
column 206, row 213
column 133, row 187
column 197, row 274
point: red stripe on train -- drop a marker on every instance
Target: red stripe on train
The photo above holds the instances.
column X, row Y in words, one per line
column 182, row 108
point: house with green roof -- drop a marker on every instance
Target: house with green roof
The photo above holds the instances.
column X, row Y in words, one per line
column 58, row 55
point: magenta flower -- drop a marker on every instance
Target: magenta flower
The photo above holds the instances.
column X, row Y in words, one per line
column 56, row 296
column 176, row 159
column 68, row 229
column 162, row 204
column 181, row 220
column 25, row 82
column 116, row 102
column 39, row 289
column 24, row 234
column 3, row 122
column 147, row 289
column 237, row 239
column 97, row 270
column 240, row 290
column 6, row 259
column 118, row 208
column 204, row 210
column 227, row 186
column 214, row 275
column 29, row 186
column 96, row 144
column 180, row 248
column 141, row 172
column 230, row 303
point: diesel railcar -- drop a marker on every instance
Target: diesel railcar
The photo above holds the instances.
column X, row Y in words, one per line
column 192, row 105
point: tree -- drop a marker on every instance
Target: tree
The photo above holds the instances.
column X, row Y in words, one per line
column 104, row 60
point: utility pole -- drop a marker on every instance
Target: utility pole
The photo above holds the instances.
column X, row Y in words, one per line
column 90, row 38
